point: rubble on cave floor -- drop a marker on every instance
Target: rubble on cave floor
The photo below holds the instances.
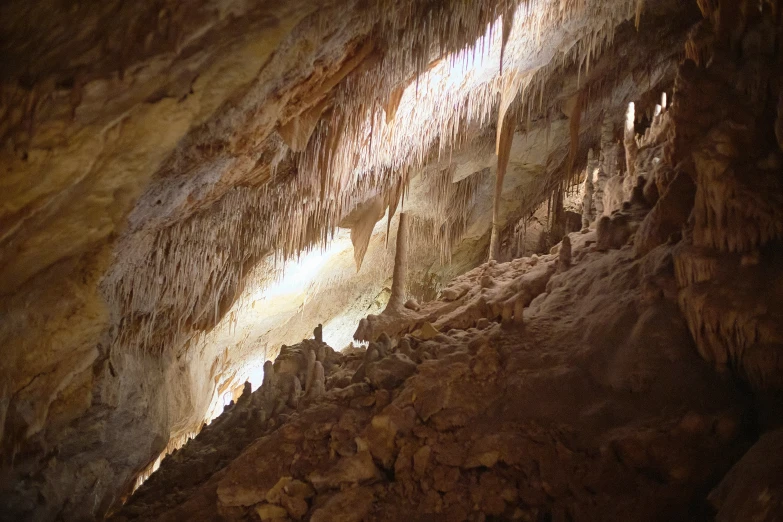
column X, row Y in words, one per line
column 579, row 385
column 594, row 406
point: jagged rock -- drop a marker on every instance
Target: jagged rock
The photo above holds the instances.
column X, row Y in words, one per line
column 481, row 427
column 381, row 433
column 404, row 347
column 318, row 333
column 148, row 187
column 412, row 304
column 348, row 470
column 390, row 371
column 271, row 512
column 588, row 208
column 291, row 487
column 296, row 507
column 613, row 231
column 753, row 488
column 350, row 505
column 426, row 332
column 668, row 216
column 317, row 387
column 564, row 257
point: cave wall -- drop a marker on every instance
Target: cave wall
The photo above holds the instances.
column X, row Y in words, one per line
column 145, row 152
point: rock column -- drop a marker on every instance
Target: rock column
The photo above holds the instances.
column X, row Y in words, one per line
column 397, row 299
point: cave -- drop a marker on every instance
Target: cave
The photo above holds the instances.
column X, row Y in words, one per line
column 382, row 260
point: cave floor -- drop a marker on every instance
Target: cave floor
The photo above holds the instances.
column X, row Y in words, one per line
column 595, row 406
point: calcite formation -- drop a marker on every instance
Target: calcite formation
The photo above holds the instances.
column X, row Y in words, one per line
column 568, row 281
column 439, row 437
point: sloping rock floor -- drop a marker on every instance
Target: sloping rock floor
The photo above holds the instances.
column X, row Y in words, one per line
column 588, row 401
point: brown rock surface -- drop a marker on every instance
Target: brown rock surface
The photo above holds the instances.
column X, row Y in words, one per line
column 178, row 181
column 753, row 488
column 489, row 431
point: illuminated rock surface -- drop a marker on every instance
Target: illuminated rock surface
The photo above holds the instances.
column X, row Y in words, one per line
column 187, row 190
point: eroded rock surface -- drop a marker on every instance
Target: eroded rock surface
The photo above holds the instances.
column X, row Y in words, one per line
column 158, row 159
column 597, row 407
column 575, row 385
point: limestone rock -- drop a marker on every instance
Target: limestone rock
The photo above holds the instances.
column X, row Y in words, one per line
column 753, row 488
column 271, row 512
column 390, row 371
column 350, row 505
column 348, row 470
column 668, row 216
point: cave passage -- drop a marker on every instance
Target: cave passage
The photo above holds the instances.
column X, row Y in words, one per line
column 395, row 260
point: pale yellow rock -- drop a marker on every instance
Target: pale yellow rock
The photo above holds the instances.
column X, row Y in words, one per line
column 426, row 332
column 271, row 512
column 273, row 495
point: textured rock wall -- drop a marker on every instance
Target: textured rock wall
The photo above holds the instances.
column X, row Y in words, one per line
column 578, row 385
column 550, row 416
column 133, row 133
column 733, row 239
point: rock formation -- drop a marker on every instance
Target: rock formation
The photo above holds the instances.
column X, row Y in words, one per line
column 645, row 427
column 191, row 191
column 588, row 201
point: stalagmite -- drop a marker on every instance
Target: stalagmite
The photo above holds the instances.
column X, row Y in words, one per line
column 269, row 377
column 317, row 386
column 247, row 389
column 370, row 355
column 397, row 298
column 564, row 257
column 318, row 333
column 629, row 140
column 290, row 390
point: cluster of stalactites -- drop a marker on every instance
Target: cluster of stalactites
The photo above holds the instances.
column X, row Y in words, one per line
column 445, row 221
column 362, row 138
column 369, row 144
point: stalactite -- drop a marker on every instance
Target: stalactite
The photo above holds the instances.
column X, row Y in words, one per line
column 639, row 8
column 629, row 140
column 575, row 120
column 503, row 153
